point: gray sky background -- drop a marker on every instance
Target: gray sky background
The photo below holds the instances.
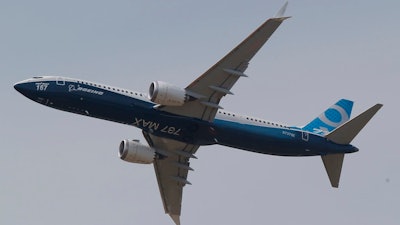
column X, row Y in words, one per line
column 61, row 168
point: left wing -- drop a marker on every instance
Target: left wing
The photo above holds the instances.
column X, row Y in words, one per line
column 209, row 88
column 171, row 171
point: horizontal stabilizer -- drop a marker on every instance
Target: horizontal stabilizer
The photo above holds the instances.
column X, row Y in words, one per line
column 333, row 166
column 348, row 131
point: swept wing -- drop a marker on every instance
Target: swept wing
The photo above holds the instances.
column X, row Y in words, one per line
column 216, row 82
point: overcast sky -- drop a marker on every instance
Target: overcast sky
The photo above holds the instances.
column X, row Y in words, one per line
column 61, row 168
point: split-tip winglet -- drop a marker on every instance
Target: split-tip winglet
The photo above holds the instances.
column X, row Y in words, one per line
column 281, row 12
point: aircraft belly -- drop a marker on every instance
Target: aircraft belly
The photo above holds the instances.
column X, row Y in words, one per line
column 99, row 103
column 261, row 140
column 276, row 141
column 127, row 110
column 124, row 109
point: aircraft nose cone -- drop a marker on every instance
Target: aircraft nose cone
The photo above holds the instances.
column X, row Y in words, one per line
column 25, row 88
column 19, row 87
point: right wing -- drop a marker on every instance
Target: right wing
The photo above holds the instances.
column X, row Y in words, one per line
column 207, row 91
column 215, row 83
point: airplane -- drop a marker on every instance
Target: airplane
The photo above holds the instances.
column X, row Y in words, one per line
column 176, row 121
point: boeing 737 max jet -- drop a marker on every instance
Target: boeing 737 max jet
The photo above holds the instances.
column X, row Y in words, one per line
column 177, row 121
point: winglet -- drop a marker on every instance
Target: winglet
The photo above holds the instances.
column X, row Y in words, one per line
column 281, row 11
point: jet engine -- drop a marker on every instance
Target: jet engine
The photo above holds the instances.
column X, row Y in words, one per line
column 166, row 94
column 134, row 152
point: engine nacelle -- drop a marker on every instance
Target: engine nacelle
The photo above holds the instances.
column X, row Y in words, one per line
column 134, row 152
column 166, row 94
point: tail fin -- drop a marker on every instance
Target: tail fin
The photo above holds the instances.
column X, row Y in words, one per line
column 344, row 135
column 333, row 117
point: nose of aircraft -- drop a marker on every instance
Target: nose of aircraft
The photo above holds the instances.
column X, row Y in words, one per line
column 19, row 87
column 25, row 87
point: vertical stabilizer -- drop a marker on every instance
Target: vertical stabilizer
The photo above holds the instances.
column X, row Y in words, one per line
column 333, row 166
column 333, row 117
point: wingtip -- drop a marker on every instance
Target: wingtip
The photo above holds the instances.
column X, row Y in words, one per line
column 176, row 219
column 281, row 12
